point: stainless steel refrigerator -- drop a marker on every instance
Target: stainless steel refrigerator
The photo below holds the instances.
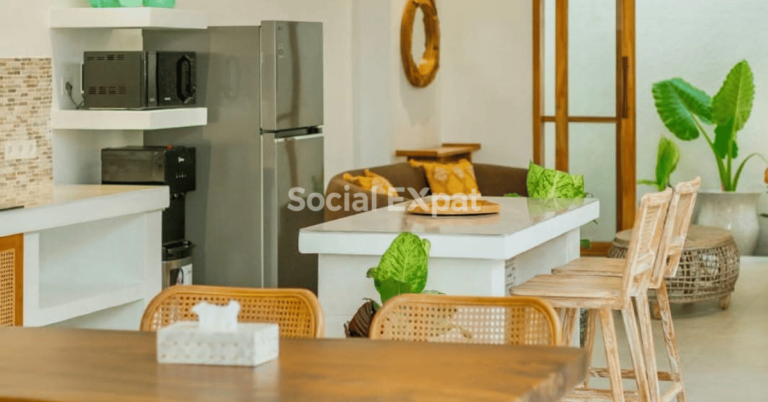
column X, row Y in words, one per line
column 263, row 87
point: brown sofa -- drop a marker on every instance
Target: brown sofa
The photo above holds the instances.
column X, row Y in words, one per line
column 493, row 181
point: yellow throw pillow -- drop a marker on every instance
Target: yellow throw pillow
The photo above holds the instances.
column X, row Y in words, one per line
column 450, row 178
column 372, row 181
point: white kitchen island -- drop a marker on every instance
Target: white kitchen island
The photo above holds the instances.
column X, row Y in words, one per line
column 473, row 256
column 92, row 254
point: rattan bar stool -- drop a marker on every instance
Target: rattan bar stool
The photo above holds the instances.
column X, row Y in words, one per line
column 297, row 311
column 671, row 248
column 604, row 295
column 467, row 319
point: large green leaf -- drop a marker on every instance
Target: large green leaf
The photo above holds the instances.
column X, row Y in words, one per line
column 677, row 103
column 390, row 288
column 549, row 183
column 735, row 99
column 403, row 267
column 666, row 162
column 543, row 206
column 723, row 136
column 731, row 108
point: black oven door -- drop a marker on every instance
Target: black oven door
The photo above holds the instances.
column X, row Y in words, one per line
column 176, row 79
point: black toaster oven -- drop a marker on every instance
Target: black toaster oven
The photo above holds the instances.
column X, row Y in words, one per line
column 139, row 80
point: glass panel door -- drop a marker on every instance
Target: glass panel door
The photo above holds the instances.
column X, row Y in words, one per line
column 584, row 102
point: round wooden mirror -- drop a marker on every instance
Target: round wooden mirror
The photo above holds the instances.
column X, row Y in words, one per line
column 421, row 74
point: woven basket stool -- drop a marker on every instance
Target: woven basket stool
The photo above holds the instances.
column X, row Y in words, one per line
column 709, row 267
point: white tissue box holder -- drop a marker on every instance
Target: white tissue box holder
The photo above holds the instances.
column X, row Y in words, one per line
column 250, row 345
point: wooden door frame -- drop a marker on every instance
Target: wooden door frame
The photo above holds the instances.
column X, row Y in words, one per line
column 626, row 111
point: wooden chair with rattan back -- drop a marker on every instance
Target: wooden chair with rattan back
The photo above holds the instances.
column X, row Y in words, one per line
column 671, row 248
column 604, row 294
column 467, row 319
column 297, row 311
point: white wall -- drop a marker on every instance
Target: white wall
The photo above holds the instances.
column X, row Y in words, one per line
column 25, row 33
column 390, row 114
column 487, row 78
column 700, row 42
column 482, row 92
column 24, row 27
column 372, row 82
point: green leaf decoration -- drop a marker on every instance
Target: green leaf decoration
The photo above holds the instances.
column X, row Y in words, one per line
column 543, row 206
column 403, row 267
column 586, row 244
column 548, row 183
column 666, row 162
column 677, row 103
column 736, row 97
column 389, row 288
column 426, row 245
column 512, row 195
column 432, row 292
column 725, row 137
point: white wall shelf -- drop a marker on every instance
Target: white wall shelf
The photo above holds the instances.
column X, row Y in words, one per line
column 65, row 299
column 102, row 252
column 127, row 18
column 128, row 119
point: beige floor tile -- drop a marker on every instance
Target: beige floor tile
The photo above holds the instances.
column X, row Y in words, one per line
column 724, row 353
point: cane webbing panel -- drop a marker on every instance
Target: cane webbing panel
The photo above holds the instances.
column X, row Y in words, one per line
column 7, row 287
column 297, row 311
column 475, row 320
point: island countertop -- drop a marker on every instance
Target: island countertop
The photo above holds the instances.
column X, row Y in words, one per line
column 46, row 207
column 522, row 224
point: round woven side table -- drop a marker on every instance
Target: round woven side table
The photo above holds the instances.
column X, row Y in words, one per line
column 709, row 267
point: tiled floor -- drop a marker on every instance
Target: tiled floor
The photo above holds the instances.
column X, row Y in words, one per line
column 724, row 353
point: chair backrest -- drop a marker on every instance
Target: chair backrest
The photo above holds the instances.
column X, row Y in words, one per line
column 462, row 319
column 675, row 231
column 297, row 311
column 645, row 241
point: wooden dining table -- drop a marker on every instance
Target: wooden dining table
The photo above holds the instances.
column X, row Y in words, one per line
column 70, row 365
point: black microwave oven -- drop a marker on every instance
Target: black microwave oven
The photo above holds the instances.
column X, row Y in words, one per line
column 139, row 80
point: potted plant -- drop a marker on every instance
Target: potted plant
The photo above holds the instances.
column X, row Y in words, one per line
column 666, row 163
column 686, row 111
column 762, row 242
column 402, row 269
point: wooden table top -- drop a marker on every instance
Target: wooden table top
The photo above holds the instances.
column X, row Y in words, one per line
column 443, row 151
column 80, row 365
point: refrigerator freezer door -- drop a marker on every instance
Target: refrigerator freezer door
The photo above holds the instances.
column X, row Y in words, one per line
column 293, row 171
column 292, row 75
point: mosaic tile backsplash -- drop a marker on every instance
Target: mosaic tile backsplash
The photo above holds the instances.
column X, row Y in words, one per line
column 25, row 114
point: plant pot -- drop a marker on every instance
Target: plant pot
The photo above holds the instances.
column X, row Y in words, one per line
column 762, row 242
column 736, row 212
column 360, row 325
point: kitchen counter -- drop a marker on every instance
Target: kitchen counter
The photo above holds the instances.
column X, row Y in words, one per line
column 47, row 207
column 523, row 224
column 474, row 256
column 92, row 253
